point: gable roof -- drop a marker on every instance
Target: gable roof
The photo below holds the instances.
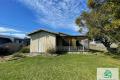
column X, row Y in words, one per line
column 55, row 33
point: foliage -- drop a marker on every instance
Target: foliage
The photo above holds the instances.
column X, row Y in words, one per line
column 91, row 3
column 25, row 50
column 4, row 51
column 65, row 67
column 18, row 55
column 103, row 21
column 51, row 51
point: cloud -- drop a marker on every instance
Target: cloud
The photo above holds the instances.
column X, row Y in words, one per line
column 20, row 35
column 57, row 13
column 5, row 29
column 11, row 32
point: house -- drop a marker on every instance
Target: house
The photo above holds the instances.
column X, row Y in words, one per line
column 43, row 40
column 12, row 44
column 10, row 39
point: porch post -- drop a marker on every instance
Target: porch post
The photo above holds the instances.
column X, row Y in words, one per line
column 69, row 45
column 83, row 48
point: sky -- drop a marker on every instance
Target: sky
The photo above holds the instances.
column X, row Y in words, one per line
column 19, row 17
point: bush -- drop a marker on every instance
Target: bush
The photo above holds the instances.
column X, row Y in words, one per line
column 25, row 50
column 17, row 56
column 9, row 48
column 51, row 51
column 4, row 51
column 20, row 55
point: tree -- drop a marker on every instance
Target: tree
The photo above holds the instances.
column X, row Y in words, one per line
column 103, row 21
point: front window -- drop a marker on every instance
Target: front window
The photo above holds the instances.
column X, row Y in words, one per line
column 78, row 43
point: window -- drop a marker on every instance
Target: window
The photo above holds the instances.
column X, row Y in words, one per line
column 65, row 43
column 78, row 43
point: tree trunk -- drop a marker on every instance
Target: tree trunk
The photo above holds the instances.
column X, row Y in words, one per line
column 107, row 44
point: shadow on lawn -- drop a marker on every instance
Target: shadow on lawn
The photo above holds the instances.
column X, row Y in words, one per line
column 61, row 52
column 95, row 51
column 112, row 55
column 116, row 57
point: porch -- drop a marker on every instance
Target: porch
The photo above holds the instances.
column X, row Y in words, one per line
column 72, row 43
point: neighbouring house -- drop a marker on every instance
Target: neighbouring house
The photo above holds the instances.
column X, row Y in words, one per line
column 43, row 40
column 9, row 39
column 12, row 44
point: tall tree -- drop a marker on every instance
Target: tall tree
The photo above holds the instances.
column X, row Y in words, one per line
column 103, row 21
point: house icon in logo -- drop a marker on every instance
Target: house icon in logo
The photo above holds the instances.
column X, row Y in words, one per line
column 107, row 74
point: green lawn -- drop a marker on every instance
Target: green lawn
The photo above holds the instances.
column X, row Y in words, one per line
column 64, row 67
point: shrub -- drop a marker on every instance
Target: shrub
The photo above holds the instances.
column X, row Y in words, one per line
column 51, row 51
column 25, row 50
column 4, row 51
column 17, row 56
column 9, row 48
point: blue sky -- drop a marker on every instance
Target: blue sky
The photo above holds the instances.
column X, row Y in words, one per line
column 19, row 17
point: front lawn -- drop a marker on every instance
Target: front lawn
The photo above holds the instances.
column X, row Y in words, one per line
column 64, row 67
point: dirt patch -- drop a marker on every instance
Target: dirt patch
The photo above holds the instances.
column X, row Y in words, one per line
column 5, row 58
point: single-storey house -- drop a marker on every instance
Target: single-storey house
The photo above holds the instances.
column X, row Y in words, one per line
column 12, row 44
column 11, row 39
column 43, row 40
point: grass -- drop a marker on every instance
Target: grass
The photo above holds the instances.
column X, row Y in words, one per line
column 64, row 67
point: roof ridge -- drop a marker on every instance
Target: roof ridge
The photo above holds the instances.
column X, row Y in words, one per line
column 46, row 31
column 56, row 33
